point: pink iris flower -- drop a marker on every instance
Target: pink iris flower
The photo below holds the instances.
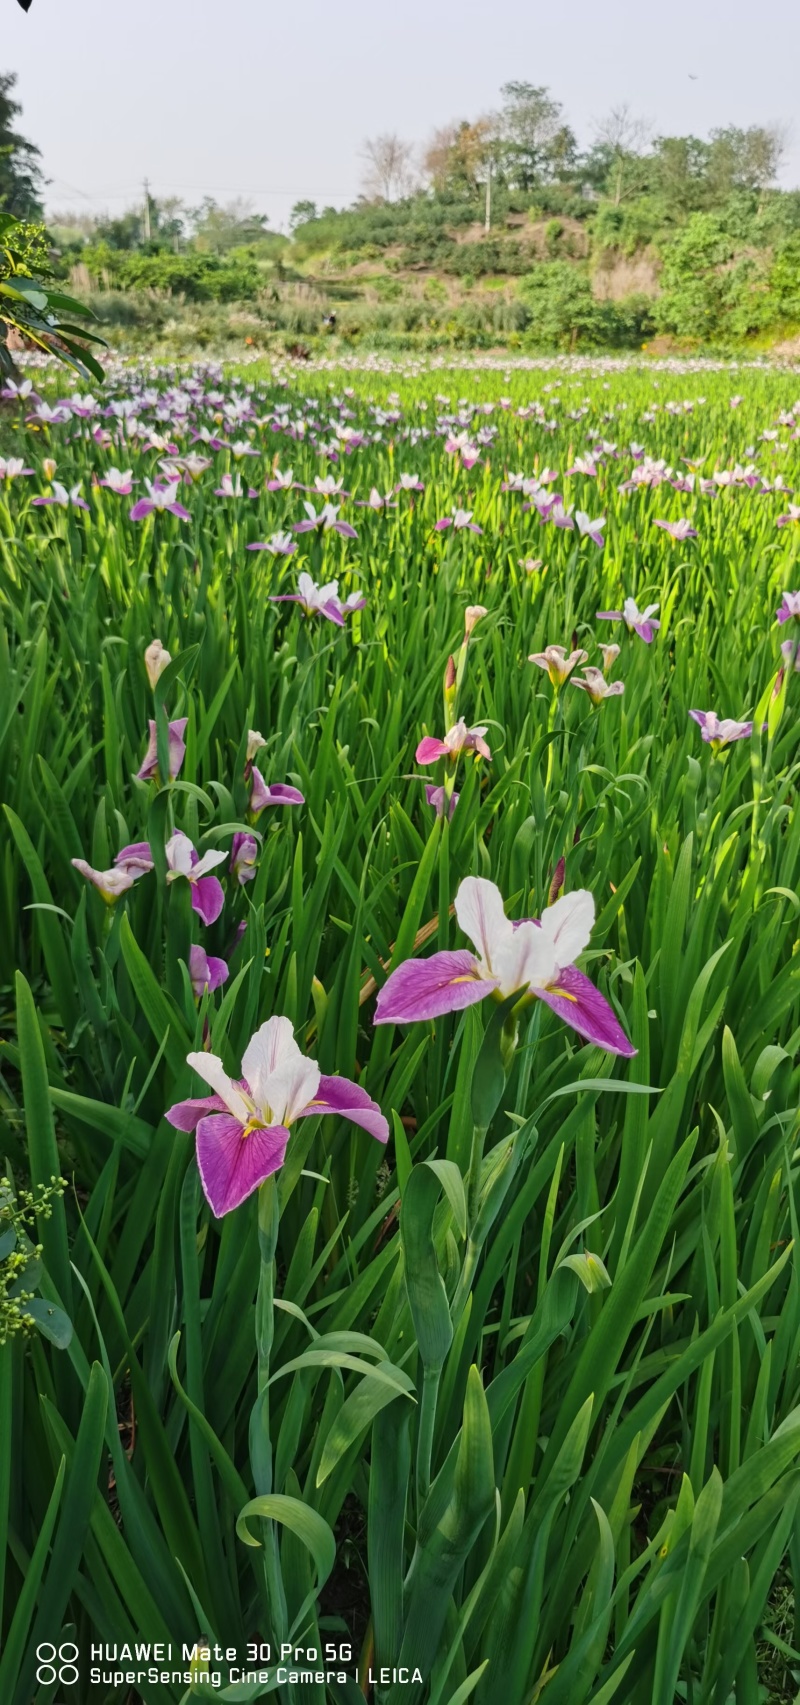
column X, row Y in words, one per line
column 206, row 972
column 461, row 520
column 324, row 600
column 244, row 853
column 130, row 863
column 276, row 793
column 63, row 498
column 789, row 519
column 177, row 750
column 458, row 739
column 678, row 531
column 789, row 607
column 280, row 544
column 637, row 621
column 242, row 1129
column 436, row 797
column 720, row 731
column 182, row 860
column 159, row 499
column 14, row 468
column 120, row 481
column 532, row 957
column 327, row 519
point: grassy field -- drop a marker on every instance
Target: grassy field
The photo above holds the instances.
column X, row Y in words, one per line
column 465, row 1361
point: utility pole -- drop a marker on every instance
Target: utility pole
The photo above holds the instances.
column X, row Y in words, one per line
column 146, row 210
column 488, row 219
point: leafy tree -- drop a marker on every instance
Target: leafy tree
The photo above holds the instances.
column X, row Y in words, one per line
column 622, row 138
column 302, row 213
column 220, row 228
column 20, row 173
column 535, row 143
column 745, row 159
column 32, row 308
column 457, row 157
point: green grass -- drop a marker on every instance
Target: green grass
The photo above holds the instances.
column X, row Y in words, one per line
column 615, row 1471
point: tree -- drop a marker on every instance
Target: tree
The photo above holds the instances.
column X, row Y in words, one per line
column 20, row 172
column 457, row 157
column 535, row 143
column 219, row 228
column 388, row 167
column 622, row 138
column 745, row 159
column 302, row 213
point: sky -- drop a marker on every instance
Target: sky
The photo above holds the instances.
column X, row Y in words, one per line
column 272, row 103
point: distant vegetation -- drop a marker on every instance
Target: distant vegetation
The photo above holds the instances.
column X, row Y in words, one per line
column 501, row 231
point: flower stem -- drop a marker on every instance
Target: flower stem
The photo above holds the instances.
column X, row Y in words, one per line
column 268, row 1219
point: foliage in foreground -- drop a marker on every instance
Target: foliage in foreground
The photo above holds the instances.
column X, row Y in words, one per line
column 575, row 1478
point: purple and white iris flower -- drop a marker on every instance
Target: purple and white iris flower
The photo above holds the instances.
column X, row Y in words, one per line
column 594, row 683
column 206, row 972
column 719, row 731
column 244, row 853
column 327, row 519
column 458, row 739
column 437, row 796
column 792, row 516
column 131, row 863
column 231, row 486
column 589, row 529
column 279, row 544
column 558, row 664
column 14, row 468
column 460, row 520
column 63, row 498
column 242, row 1129
column 641, row 622
column 532, row 957
column 375, row 501
column 324, row 600
column 281, row 481
column 278, row 793
column 182, row 860
column 789, row 608
column 679, row 531
column 160, row 498
column 120, row 481
column 177, row 748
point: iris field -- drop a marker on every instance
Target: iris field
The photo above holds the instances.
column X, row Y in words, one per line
column 377, row 1279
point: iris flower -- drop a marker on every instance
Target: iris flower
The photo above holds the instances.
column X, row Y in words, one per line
column 182, row 860
column 242, row 1129
column 206, row 972
column 636, row 620
column 159, row 498
column 280, row 544
column 559, row 666
column 458, row 739
column 719, row 731
column 278, row 793
column 460, row 520
column 64, row 499
column 177, row 746
column 789, row 607
column 678, row 531
column 535, row 958
column 594, row 683
column 324, row 600
column 327, row 519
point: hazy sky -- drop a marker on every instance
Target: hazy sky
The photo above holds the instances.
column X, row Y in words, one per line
column 273, row 102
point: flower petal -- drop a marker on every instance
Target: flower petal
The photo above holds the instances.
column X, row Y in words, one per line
column 480, row 914
column 208, row 898
column 426, row 988
column 210, row 1068
column 338, row 1095
column 580, row 1004
column 272, row 1047
column 186, row 1115
column 231, row 1165
column 429, row 749
column 568, row 925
